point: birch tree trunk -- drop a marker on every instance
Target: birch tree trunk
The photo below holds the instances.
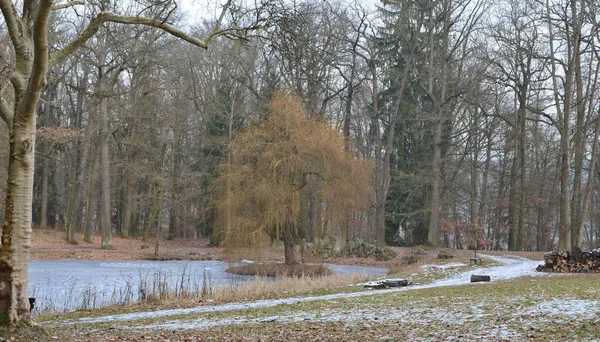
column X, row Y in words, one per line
column 29, row 38
column 27, row 28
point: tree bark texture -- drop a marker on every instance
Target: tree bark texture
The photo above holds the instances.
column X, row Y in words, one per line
column 288, row 244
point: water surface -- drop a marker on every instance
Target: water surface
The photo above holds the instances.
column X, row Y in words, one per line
column 65, row 285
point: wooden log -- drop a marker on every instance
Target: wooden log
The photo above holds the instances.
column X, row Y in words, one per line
column 477, row 278
column 374, row 285
column 386, row 283
column 395, row 282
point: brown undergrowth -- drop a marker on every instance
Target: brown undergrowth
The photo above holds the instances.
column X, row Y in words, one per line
column 281, row 270
column 51, row 244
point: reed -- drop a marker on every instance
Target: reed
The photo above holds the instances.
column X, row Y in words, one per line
column 160, row 287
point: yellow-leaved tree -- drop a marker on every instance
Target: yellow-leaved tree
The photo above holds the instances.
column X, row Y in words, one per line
column 273, row 164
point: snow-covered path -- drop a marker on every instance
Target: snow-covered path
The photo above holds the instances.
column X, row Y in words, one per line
column 512, row 267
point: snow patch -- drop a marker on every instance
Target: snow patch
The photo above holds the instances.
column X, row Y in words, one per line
column 567, row 307
column 444, row 267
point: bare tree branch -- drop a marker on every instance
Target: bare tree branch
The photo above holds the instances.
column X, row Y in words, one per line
column 40, row 61
column 103, row 17
column 550, row 121
column 67, row 5
column 6, row 113
column 9, row 12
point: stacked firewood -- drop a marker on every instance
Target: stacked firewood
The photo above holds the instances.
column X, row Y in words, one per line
column 576, row 262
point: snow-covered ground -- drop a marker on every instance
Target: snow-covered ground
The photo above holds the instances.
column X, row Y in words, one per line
column 511, row 267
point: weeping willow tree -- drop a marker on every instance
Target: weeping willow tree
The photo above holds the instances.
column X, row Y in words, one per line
column 271, row 166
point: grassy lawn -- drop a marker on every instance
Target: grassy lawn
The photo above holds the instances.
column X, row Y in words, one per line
column 550, row 308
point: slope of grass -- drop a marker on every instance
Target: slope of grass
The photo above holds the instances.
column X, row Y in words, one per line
column 553, row 308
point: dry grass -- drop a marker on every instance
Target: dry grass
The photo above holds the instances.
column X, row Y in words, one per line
column 264, row 287
column 281, row 270
column 258, row 288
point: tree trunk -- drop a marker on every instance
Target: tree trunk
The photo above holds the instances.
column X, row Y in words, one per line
column 474, row 142
column 30, row 41
column 381, row 170
column 16, row 229
column 588, row 193
column 27, row 28
column 349, row 96
column 155, row 208
column 521, row 218
column 437, row 104
column 158, row 219
column 500, row 221
column 522, row 189
column 70, row 209
column 432, row 236
column 315, row 219
column 91, row 201
column 288, row 245
column 383, row 166
column 580, row 134
column 127, row 206
column 105, row 216
column 565, row 214
column 81, row 186
column 564, row 127
column 485, row 176
column 44, row 195
column 175, row 189
column 380, row 191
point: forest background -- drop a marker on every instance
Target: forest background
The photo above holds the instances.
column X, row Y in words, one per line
column 479, row 118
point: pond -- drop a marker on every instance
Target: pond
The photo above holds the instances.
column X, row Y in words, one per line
column 66, row 285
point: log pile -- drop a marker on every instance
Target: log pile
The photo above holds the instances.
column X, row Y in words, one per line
column 576, row 262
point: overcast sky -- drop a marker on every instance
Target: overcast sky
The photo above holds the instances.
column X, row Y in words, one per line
column 195, row 10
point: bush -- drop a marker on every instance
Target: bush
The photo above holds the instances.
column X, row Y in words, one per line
column 444, row 255
column 383, row 254
column 366, row 250
column 278, row 269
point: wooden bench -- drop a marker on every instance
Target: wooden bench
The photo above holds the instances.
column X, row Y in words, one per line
column 474, row 261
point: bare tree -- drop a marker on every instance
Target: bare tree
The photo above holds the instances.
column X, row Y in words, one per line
column 28, row 31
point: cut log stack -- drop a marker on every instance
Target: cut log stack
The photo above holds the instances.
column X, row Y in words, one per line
column 576, row 262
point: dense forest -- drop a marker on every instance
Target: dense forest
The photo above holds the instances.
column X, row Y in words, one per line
column 477, row 118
